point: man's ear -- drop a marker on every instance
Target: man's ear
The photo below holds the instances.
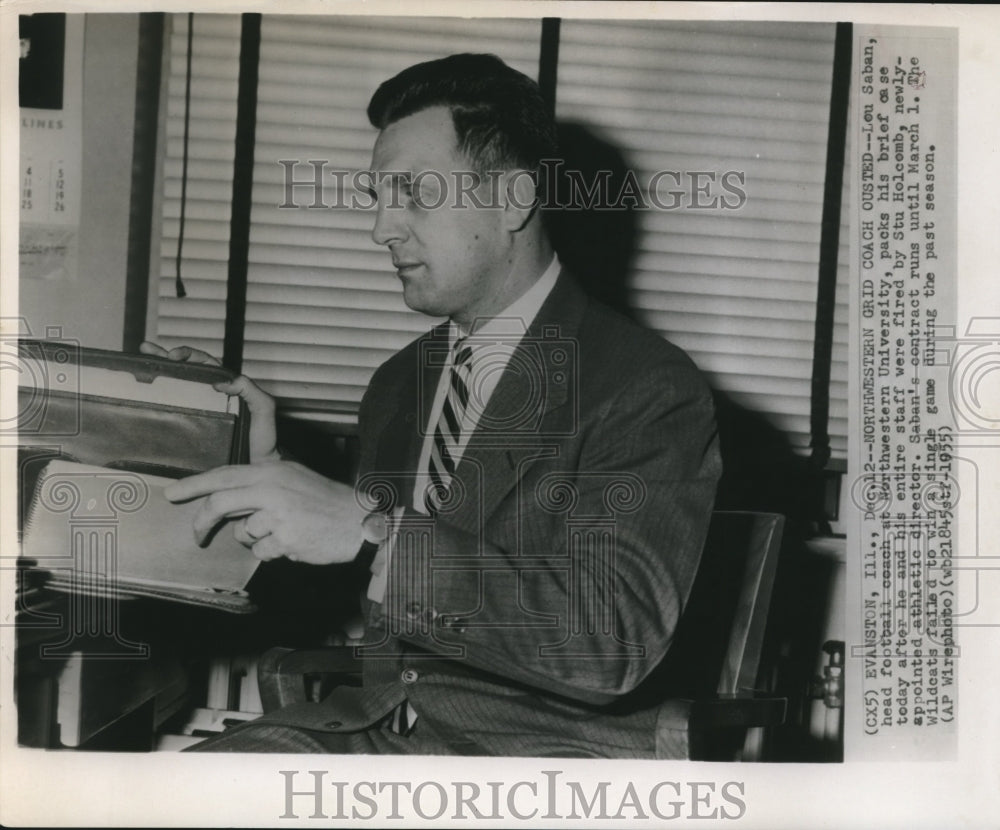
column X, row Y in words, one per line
column 521, row 198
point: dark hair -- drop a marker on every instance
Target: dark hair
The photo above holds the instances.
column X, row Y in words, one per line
column 500, row 118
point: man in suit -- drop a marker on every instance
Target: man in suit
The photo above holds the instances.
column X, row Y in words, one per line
column 537, row 473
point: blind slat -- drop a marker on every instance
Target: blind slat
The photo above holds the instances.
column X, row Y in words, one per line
column 730, row 287
column 735, row 288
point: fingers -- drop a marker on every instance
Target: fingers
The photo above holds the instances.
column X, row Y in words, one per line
column 186, row 353
column 354, row 628
column 226, row 504
column 146, row 347
column 277, row 475
column 220, row 478
column 258, row 401
column 267, row 549
column 263, row 431
column 251, row 529
column 290, row 510
column 242, row 535
column 263, row 545
column 179, row 353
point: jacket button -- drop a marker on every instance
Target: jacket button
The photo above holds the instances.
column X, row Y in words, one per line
column 334, row 724
column 409, row 676
column 456, row 624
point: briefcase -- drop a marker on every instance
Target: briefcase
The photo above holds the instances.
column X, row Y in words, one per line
column 127, row 411
column 107, row 431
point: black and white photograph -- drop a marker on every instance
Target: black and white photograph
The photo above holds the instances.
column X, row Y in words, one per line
column 557, row 414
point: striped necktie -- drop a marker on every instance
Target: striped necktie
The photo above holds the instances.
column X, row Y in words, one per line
column 445, row 452
column 446, row 446
column 402, row 719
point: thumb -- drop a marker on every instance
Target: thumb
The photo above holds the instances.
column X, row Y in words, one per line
column 263, row 430
column 257, row 400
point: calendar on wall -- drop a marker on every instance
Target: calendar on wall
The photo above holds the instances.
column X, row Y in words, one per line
column 50, row 97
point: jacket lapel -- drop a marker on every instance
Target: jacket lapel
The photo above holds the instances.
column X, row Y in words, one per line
column 400, row 442
column 533, row 405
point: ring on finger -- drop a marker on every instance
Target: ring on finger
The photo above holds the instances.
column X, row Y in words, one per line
column 256, row 537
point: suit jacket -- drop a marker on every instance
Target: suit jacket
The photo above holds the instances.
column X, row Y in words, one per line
column 523, row 617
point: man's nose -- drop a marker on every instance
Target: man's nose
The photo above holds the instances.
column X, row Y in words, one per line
column 389, row 224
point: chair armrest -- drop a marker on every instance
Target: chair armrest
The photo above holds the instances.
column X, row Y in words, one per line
column 283, row 672
column 710, row 728
column 741, row 712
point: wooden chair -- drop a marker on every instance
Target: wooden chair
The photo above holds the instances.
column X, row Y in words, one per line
column 706, row 687
column 710, row 676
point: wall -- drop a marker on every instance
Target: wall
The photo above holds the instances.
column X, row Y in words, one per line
column 91, row 308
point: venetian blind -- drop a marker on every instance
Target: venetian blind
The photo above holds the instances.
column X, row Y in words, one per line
column 324, row 307
column 735, row 288
column 199, row 318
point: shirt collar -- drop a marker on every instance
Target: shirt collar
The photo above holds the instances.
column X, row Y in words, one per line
column 513, row 321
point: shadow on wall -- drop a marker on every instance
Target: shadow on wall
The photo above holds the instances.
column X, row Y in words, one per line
column 596, row 245
column 761, row 472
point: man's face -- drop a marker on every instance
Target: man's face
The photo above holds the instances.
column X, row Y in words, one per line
column 452, row 257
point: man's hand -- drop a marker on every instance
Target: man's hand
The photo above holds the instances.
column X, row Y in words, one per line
column 281, row 508
column 263, row 432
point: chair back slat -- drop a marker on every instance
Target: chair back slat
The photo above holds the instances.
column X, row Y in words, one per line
column 719, row 639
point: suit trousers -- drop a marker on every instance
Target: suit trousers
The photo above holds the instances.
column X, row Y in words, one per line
column 262, row 736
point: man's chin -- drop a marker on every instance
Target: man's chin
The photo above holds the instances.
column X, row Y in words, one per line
column 418, row 301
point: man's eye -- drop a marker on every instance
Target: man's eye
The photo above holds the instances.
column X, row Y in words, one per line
column 430, row 193
column 404, row 190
